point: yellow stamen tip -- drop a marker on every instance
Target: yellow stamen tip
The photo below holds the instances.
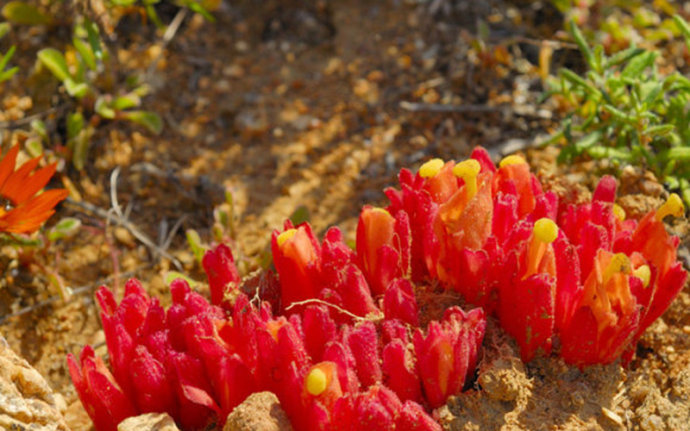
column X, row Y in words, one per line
column 316, row 381
column 513, row 159
column 431, row 168
column 380, row 210
column 619, row 212
column 644, row 274
column 286, row 236
column 545, row 230
column 467, row 168
column 673, row 206
column 619, row 263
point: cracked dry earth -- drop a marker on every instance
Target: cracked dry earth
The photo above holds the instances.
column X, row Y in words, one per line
column 291, row 104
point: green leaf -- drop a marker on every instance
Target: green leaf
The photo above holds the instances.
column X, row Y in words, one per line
column 19, row 12
column 39, row 127
column 65, row 228
column 148, row 119
column 582, row 44
column 5, row 28
column 55, row 62
column 299, row 215
column 84, row 50
column 198, row 8
column 563, row 6
column 7, row 74
column 33, row 147
column 127, row 101
column 671, row 182
column 75, row 89
column 104, row 109
column 577, row 80
column 638, row 64
column 75, row 124
column 588, row 141
column 174, row 275
column 681, row 154
column 684, row 28
column 80, row 148
column 660, row 130
column 6, row 58
column 195, row 244
column 650, row 91
column 623, row 56
column 94, row 39
column 620, row 115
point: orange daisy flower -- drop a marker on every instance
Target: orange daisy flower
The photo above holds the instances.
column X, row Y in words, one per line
column 21, row 209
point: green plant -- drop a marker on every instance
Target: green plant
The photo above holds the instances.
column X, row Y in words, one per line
column 81, row 77
column 5, row 59
column 624, row 110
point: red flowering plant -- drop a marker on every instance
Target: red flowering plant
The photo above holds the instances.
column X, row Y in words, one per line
column 340, row 344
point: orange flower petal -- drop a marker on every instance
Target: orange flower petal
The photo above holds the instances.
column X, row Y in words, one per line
column 7, row 164
column 17, row 182
column 34, row 183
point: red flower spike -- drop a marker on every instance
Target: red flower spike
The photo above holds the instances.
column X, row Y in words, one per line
column 393, row 329
column 447, row 355
column 363, row 342
column 414, row 200
column 322, row 385
column 482, row 156
column 152, row 390
column 223, row 277
column 296, row 258
column 319, row 329
column 412, row 417
column 193, row 390
column 103, row 399
column 439, row 181
column 375, row 409
column 233, row 382
column 399, row 302
column 527, row 296
column 462, row 227
column 399, row 371
column 341, row 355
column 344, row 278
column 383, row 247
column 23, row 210
column 513, row 177
column 607, row 313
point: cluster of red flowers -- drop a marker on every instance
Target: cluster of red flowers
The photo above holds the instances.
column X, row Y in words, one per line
column 198, row 361
column 581, row 274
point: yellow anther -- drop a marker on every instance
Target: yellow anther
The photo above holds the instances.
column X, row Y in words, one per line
column 380, row 210
column 286, row 236
column 619, row 263
column 316, row 381
column 431, row 168
column 468, row 171
column 513, row 159
column 545, row 230
column 644, row 274
column 619, row 212
column 673, row 206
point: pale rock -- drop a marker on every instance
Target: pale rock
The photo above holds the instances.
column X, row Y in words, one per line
column 26, row 400
column 261, row 411
column 148, row 422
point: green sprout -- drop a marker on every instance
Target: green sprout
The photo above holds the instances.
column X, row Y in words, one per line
column 627, row 112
